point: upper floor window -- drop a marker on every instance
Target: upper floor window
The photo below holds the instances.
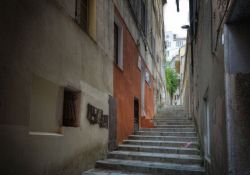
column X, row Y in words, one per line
column 168, row 44
column 179, row 43
column 143, row 17
column 139, row 8
column 86, row 16
column 118, row 43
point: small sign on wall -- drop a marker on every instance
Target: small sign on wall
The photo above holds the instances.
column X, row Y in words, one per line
column 95, row 116
column 147, row 77
column 139, row 62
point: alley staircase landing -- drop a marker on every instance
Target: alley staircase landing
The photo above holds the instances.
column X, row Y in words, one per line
column 171, row 148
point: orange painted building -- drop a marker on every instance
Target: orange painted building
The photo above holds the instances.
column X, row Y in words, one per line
column 127, row 85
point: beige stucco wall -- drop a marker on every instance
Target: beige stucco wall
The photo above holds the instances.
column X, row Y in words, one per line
column 41, row 39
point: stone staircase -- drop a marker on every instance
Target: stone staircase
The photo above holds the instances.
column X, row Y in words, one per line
column 171, row 148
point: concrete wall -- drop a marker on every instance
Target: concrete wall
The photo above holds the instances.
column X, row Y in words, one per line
column 237, row 68
column 221, row 76
column 41, row 39
column 185, row 89
column 207, row 83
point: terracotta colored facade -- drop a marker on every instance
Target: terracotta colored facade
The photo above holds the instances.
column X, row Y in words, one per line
column 127, row 86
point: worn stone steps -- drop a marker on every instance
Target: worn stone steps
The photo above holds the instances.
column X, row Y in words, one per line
column 110, row 172
column 170, row 148
column 172, row 115
column 150, row 167
column 192, row 129
column 157, row 133
column 174, row 126
column 163, row 138
column 161, row 143
column 156, row 157
column 165, row 122
column 159, row 149
column 171, row 120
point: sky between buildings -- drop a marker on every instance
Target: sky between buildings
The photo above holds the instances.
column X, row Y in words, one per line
column 173, row 20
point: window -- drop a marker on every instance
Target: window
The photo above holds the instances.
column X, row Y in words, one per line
column 153, row 44
column 143, row 17
column 118, row 43
column 139, row 8
column 71, row 108
column 116, row 31
column 168, row 44
column 86, row 16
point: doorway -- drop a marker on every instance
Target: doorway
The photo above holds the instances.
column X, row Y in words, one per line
column 136, row 114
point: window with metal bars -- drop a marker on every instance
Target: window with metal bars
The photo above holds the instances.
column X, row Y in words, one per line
column 71, row 108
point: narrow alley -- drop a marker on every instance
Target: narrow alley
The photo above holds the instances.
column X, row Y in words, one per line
column 118, row 87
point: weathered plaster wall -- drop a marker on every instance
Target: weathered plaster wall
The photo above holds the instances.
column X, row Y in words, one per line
column 237, row 80
column 126, row 84
column 41, row 38
column 208, row 82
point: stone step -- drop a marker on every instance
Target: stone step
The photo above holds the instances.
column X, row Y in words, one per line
column 109, row 172
column 162, row 143
column 150, row 167
column 159, row 149
column 174, row 126
column 174, row 116
column 156, row 157
column 170, row 118
column 169, row 129
column 164, row 122
column 156, row 133
column 163, row 138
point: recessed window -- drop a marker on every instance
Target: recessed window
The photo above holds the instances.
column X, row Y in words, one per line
column 71, row 107
column 118, row 44
column 86, row 16
column 143, row 17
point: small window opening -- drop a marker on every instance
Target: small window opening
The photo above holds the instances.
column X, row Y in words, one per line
column 71, row 108
column 116, row 43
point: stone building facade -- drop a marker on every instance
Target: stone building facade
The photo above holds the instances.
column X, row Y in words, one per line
column 140, row 76
column 216, row 81
column 61, row 84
